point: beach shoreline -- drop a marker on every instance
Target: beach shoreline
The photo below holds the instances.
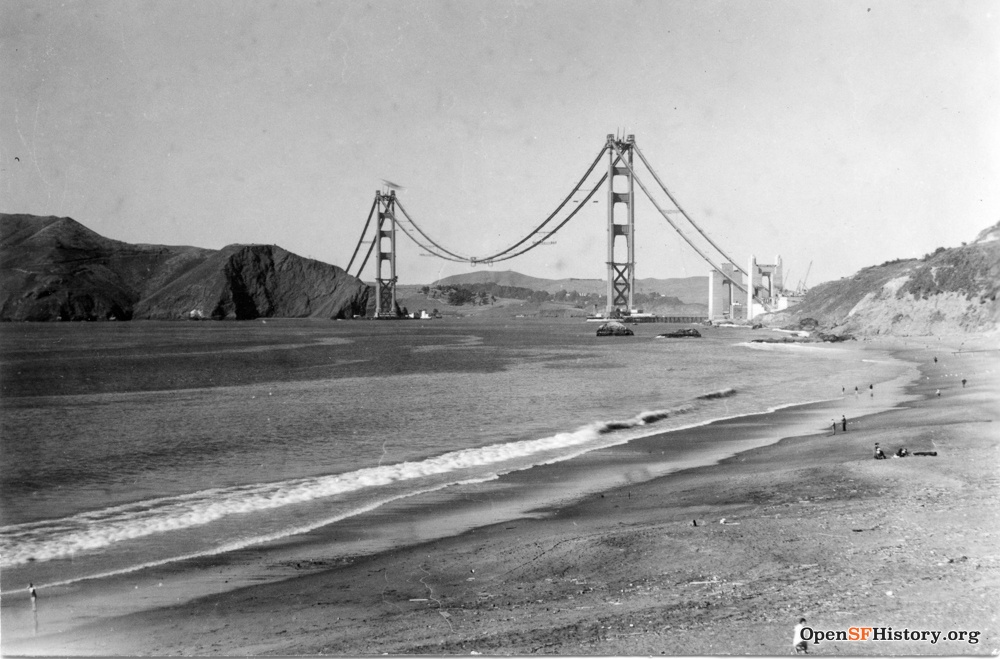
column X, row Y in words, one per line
column 445, row 591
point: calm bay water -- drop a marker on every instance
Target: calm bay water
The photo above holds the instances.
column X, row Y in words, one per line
column 129, row 444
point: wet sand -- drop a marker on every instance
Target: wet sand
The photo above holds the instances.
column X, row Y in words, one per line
column 813, row 527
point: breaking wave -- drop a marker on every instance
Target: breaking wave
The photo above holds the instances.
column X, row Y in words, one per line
column 818, row 349
column 721, row 393
column 94, row 530
column 257, row 540
column 52, row 539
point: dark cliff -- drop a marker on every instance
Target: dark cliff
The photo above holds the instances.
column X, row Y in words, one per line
column 57, row 269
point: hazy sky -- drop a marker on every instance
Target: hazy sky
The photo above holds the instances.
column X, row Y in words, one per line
column 843, row 133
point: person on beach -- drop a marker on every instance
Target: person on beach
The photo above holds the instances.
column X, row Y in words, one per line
column 32, row 594
column 879, row 455
column 843, row 423
column 799, row 643
column 963, row 383
column 902, row 452
column 871, row 390
column 855, row 392
column 834, row 426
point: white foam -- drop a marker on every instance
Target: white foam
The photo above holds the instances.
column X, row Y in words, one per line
column 52, row 539
column 89, row 531
column 95, row 530
column 790, row 347
column 258, row 540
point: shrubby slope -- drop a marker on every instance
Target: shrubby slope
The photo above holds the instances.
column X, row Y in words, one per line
column 688, row 290
column 950, row 291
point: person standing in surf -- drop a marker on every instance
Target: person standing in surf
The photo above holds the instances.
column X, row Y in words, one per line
column 798, row 643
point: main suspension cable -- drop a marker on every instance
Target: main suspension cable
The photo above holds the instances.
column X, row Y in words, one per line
column 558, row 208
column 683, row 212
column 371, row 213
column 406, row 232
column 671, row 222
column 500, row 256
column 551, row 233
column 455, row 256
column 452, row 256
column 512, row 251
column 371, row 246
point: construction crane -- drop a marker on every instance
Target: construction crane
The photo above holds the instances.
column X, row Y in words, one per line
column 801, row 288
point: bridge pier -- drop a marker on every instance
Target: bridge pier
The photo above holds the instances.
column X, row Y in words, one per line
column 764, row 287
column 621, row 274
column 723, row 303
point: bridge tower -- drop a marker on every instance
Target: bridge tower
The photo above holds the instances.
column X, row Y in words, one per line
column 621, row 274
column 385, row 288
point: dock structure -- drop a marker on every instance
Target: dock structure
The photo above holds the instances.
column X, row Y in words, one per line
column 668, row 319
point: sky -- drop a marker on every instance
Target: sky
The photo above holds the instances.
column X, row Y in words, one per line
column 840, row 133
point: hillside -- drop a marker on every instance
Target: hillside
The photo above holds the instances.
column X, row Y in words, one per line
column 490, row 300
column 689, row 290
column 57, row 269
column 950, row 291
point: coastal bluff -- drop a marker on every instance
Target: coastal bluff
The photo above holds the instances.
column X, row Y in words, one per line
column 950, row 291
column 54, row 268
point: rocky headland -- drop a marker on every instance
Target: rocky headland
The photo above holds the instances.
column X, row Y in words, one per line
column 54, row 268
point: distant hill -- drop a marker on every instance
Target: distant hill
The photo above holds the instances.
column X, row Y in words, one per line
column 689, row 290
column 950, row 291
column 54, row 268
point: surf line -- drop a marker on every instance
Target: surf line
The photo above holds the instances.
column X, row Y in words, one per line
column 259, row 540
column 92, row 530
column 140, row 519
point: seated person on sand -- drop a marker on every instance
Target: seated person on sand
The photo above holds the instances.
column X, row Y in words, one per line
column 879, row 455
column 902, row 452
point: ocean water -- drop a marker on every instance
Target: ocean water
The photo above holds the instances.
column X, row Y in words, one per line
column 136, row 444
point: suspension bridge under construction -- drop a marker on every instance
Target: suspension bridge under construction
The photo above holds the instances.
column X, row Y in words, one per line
column 760, row 285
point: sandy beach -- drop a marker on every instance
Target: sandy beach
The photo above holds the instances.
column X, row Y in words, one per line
column 720, row 559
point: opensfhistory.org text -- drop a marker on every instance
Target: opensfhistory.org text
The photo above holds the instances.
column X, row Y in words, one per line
column 817, row 636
